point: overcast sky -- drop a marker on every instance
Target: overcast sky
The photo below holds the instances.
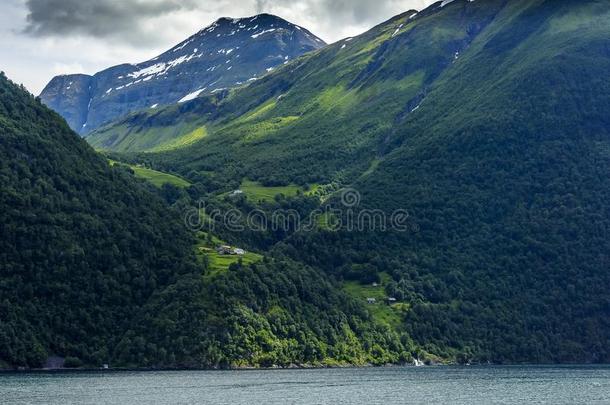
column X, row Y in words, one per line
column 43, row 38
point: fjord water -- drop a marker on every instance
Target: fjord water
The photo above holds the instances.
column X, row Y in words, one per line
column 399, row 385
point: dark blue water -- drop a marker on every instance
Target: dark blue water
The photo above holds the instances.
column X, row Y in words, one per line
column 424, row 385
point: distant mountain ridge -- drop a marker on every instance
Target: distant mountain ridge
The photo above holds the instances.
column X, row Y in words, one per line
column 228, row 53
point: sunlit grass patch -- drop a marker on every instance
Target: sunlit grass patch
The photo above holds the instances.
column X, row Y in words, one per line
column 381, row 311
column 155, row 177
column 219, row 263
column 183, row 141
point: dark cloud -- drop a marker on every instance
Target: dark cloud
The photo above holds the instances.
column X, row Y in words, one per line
column 98, row 18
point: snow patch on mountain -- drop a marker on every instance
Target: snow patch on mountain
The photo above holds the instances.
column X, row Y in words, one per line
column 262, row 33
column 191, row 96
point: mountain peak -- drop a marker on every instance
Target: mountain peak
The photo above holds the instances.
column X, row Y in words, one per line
column 262, row 17
column 228, row 53
column 255, row 25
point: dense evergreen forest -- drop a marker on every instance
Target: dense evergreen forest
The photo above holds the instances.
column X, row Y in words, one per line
column 96, row 268
column 82, row 246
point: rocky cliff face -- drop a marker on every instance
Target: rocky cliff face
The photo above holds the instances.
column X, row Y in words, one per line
column 228, row 53
column 70, row 95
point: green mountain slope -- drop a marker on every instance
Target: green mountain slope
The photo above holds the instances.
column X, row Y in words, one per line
column 333, row 106
column 504, row 170
column 96, row 268
column 488, row 122
column 83, row 246
column 508, row 181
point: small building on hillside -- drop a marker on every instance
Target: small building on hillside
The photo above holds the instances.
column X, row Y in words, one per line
column 224, row 250
column 228, row 250
column 371, row 300
column 392, row 300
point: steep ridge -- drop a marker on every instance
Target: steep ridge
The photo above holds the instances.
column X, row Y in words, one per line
column 226, row 54
column 488, row 122
column 359, row 85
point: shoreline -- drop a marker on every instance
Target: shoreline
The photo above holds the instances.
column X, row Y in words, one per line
column 347, row 367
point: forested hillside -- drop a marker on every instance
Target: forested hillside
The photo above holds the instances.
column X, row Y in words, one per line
column 487, row 121
column 96, row 268
column 508, row 181
column 82, row 246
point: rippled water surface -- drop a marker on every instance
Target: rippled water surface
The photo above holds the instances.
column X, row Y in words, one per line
column 439, row 385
